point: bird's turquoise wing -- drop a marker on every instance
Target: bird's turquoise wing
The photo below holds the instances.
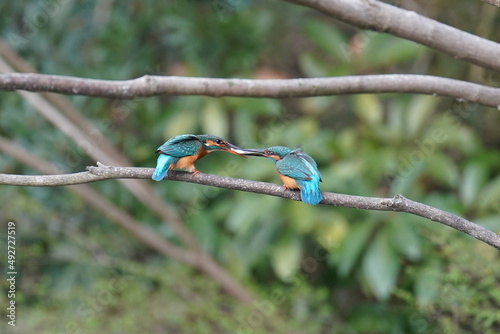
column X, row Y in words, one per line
column 304, row 170
column 314, row 165
column 299, row 166
column 296, row 167
column 181, row 146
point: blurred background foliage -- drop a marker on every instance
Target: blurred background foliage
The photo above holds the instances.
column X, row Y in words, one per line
column 315, row 269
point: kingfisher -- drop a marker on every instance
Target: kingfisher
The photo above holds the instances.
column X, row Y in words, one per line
column 296, row 169
column 182, row 151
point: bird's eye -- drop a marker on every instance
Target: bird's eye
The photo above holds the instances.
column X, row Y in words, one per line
column 268, row 152
column 219, row 141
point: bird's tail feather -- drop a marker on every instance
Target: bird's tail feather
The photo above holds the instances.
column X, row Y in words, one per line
column 309, row 192
column 162, row 165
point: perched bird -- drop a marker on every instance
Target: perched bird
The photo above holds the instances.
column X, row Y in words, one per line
column 181, row 152
column 296, row 169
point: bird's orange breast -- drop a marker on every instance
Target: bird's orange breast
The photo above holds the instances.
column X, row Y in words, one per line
column 288, row 182
column 187, row 162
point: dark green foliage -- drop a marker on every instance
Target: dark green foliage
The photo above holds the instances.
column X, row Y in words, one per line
column 315, row 269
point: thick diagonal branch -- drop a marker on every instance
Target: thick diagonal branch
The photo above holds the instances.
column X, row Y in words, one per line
column 123, row 219
column 379, row 16
column 398, row 203
column 84, row 134
column 94, row 144
column 276, row 88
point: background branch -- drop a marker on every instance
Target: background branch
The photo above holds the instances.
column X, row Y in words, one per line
column 120, row 217
column 95, row 144
column 495, row 3
column 151, row 85
column 379, row 16
column 398, row 203
column 391, row 144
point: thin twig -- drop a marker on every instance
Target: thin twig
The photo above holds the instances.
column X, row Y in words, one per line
column 379, row 16
column 151, row 85
column 398, row 203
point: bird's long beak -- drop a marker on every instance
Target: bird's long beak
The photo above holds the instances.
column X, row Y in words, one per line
column 243, row 152
column 236, row 150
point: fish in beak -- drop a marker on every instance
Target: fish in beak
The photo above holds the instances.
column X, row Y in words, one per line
column 252, row 152
column 236, row 150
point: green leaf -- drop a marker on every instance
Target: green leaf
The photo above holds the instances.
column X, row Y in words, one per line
column 313, row 66
column 331, row 233
column 376, row 164
column 407, row 173
column 490, row 195
column 405, row 239
column 182, row 122
column 369, row 109
column 214, row 119
column 327, row 38
column 302, row 216
column 473, row 179
column 268, row 107
column 245, row 122
column 316, row 105
column 246, row 212
column 350, row 249
column 442, row 169
column 234, row 258
column 386, row 50
column 395, row 130
column 204, row 229
column 253, row 247
column 286, row 257
column 256, row 245
column 427, row 283
column 346, row 169
column 381, row 266
column 418, row 111
column 491, row 222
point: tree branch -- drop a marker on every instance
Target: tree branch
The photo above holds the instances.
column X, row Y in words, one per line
column 151, row 85
column 98, row 147
column 194, row 257
column 495, row 3
column 379, row 16
column 398, row 203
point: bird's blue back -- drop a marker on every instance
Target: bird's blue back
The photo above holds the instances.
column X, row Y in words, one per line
column 304, row 170
column 181, row 146
column 299, row 166
column 174, row 149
